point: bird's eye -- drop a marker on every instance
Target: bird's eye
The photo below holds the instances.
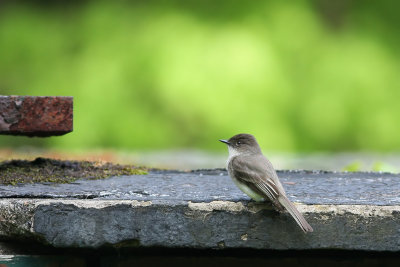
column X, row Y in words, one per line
column 238, row 142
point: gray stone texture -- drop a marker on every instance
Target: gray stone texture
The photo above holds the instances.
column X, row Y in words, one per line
column 204, row 209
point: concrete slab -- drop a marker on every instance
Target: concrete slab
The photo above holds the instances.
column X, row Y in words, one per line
column 204, row 209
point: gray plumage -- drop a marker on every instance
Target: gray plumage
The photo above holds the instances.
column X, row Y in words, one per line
column 254, row 174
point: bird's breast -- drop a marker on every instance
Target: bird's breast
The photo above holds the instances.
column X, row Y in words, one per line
column 232, row 153
column 243, row 186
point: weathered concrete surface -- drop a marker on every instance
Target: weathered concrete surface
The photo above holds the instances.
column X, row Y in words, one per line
column 204, row 209
column 318, row 187
column 36, row 115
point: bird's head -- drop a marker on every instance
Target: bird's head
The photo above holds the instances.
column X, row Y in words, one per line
column 242, row 144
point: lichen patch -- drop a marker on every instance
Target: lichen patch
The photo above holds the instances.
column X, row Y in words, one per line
column 60, row 171
column 217, row 205
column 363, row 210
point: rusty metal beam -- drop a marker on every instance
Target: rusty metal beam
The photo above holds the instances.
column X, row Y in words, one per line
column 40, row 116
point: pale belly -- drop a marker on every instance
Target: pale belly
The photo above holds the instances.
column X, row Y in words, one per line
column 248, row 191
column 243, row 187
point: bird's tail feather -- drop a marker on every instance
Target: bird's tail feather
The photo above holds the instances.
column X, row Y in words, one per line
column 285, row 202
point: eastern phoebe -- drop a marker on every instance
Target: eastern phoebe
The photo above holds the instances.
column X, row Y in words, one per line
column 253, row 173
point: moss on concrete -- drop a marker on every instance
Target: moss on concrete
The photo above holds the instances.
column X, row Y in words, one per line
column 60, row 171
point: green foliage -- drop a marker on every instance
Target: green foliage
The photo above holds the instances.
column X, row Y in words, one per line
column 384, row 167
column 163, row 74
column 353, row 167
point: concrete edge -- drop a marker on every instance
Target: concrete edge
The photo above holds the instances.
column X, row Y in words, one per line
column 215, row 224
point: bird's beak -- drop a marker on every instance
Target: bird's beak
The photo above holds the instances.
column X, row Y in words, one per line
column 224, row 141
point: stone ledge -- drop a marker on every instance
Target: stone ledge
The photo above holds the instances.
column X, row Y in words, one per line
column 184, row 210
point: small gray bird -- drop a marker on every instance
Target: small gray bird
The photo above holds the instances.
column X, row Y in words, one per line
column 254, row 174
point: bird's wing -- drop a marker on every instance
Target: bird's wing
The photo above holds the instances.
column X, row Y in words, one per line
column 256, row 171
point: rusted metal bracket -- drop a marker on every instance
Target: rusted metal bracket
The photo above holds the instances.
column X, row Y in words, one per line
column 40, row 116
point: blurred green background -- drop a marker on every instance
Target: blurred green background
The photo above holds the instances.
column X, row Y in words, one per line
column 302, row 76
